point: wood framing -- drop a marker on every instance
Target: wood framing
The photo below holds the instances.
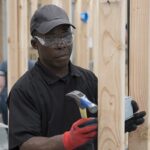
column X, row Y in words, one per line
column 43, row 2
column 23, row 36
column 90, row 33
column 64, row 4
column 111, row 74
column 81, row 34
column 33, row 7
column 96, row 37
column 13, row 62
column 17, row 40
column 1, row 29
column 139, row 68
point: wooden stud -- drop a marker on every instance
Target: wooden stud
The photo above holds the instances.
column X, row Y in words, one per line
column 139, row 68
column 32, row 7
column 23, row 37
column 1, row 30
column 90, row 34
column 96, row 37
column 17, row 40
column 44, row 2
column 66, row 5
column 81, row 35
column 13, row 62
column 111, row 75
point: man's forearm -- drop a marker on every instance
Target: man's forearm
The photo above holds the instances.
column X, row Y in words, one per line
column 44, row 143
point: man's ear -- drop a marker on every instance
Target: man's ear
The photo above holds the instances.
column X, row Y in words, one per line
column 34, row 43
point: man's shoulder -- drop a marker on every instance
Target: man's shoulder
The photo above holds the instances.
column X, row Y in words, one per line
column 25, row 81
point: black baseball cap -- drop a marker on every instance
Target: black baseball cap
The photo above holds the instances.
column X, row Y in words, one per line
column 47, row 17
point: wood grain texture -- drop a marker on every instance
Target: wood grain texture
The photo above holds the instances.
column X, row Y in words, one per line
column 23, row 37
column 17, row 40
column 13, row 50
column 33, row 6
column 107, row 1
column 1, row 29
column 111, row 75
column 139, row 68
column 82, row 34
column 65, row 4
column 44, row 2
column 96, row 38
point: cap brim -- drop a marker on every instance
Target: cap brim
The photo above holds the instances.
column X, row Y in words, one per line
column 48, row 26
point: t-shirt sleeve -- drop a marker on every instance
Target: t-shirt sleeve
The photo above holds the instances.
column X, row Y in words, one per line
column 24, row 119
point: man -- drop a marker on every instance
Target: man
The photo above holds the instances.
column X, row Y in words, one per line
column 41, row 116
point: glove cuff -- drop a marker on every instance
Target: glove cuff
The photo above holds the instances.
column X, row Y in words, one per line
column 67, row 141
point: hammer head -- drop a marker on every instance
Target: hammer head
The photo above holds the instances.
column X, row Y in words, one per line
column 83, row 101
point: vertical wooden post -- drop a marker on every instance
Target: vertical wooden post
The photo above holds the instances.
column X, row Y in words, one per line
column 4, row 34
column 111, row 74
column 96, row 37
column 81, row 34
column 44, row 2
column 1, row 30
column 139, row 68
column 13, row 62
column 23, row 37
column 33, row 7
column 17, row 40
column 90, row 33
column 64, row 4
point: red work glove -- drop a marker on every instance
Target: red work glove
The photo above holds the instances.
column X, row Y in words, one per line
column 79, row 136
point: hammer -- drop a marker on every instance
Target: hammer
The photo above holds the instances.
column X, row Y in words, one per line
column 83, row 103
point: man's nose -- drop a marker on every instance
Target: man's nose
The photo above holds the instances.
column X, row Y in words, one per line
column 62, row 43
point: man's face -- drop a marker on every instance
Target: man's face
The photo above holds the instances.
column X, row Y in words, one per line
column 56, row 47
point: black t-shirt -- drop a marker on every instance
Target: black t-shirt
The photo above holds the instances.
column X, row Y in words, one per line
column 38, row 105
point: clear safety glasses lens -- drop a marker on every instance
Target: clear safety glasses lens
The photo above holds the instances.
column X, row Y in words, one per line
column 55, row 41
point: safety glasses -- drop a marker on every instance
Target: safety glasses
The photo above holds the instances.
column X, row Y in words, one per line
column 54, row 41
